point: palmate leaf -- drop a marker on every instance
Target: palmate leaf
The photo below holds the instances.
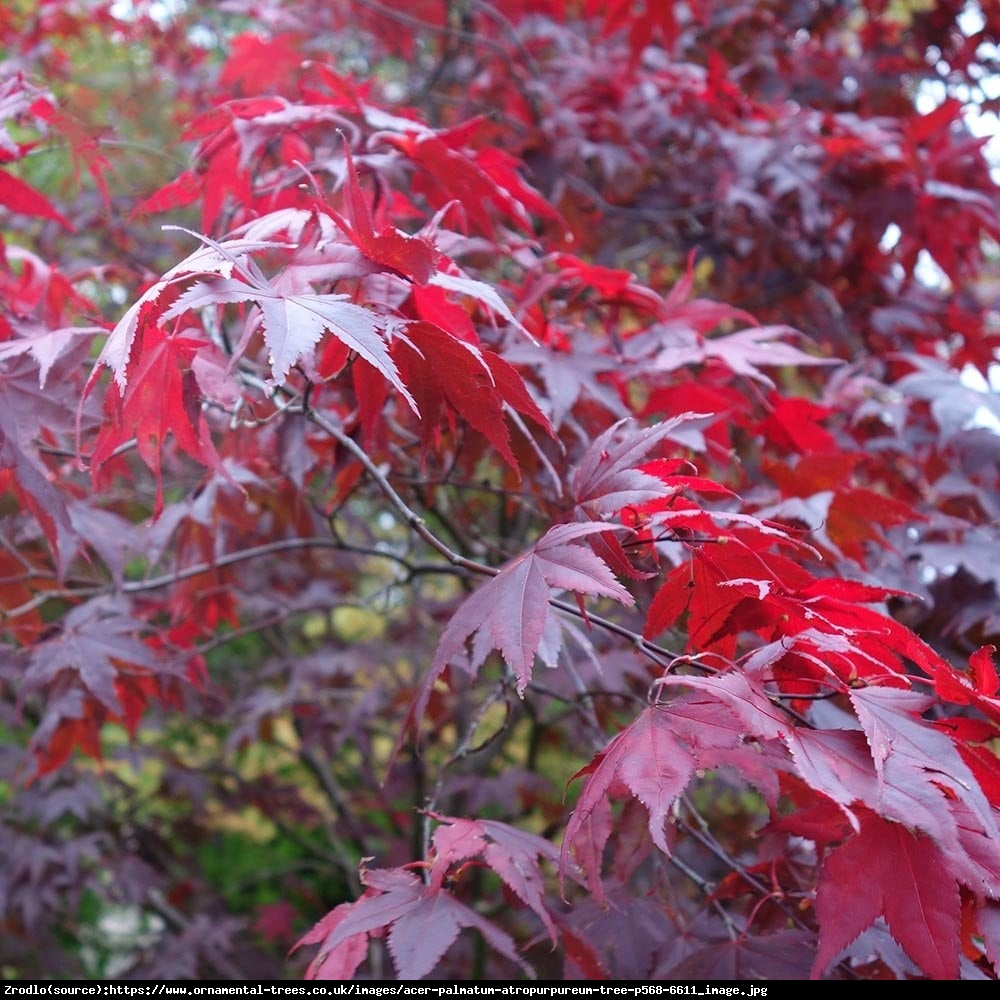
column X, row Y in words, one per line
column 511, row 853
column 486, row 294
column 648, row 760
column 570, row 376
column 607, row 477
column 17, row 196
column 38, row 493
column 924, row 782
column 885, row 870
column 510, row 611
column 294, row 323
column 159, row 398
column 94, row 640
column 414, row 257
column 745, row 352
column 784, row 955
column 422, row 922
column 90, row 662
column 44, row 345
column 610, row 478
column 210, row 258
column 654, row 759
column 450, row 378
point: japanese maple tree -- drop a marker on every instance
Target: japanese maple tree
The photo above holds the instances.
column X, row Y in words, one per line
column 499, row 489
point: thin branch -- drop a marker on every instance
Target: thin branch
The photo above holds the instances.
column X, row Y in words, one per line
column 414, row 520
column 701, row 832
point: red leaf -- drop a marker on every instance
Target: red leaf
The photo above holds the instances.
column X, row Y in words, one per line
column 794, row 424
column 608, row 478
column 422, row 923
column 94, row 643
column 509, row 613
column 256, row 65
column 210, row 258
column 988, row 923
column 509, row 852
column 744, row 353
column 450, row 377
column 919, row 769
column 784, row 955
column 21, row 197
column 612, row 285
column 885, row 870
column 649, row 762
column 433, row 305
column 413, row 257
column 455, row 280
column 160, row 397
column 41, row 497
column 341, row 960
column 184, row 190
column 582, row 954
column 294, row 323
column 45, row 345
column 71, row 720
column 984, row 673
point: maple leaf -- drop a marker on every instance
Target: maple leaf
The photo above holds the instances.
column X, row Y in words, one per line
column 422, row 921
column 448, row 377
column 413, row 257
column 784, row 955
column 900, row 739
column 96, row 640
column 980, row 687
column 569, row 376
column 649, row 761
column 886, row 870
column 478, row 179
column 795, row 423
column 714, row 587
column 456, row 280
column 817, row 198
column 837, row 764
column 294, row 322
column 655, row 758
column 185, row 189
column 210, row 258
column 743, row 353
column 40, row 494
column 920, row 774
column 611, row 284
column 256, row 65
column 159, row 397
column 342, row 960
column 71, row 719
column 954, row 405
column 608, row 479
column 44, row 345
column 18, row 196
column 510, row 611
column 509, row 852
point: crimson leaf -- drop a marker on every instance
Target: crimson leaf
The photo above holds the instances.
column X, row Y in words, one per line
column 886, row 870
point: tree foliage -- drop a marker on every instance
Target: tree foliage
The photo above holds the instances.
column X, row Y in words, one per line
column 499, row 489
